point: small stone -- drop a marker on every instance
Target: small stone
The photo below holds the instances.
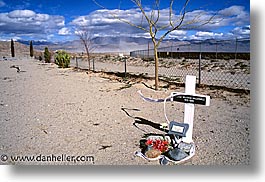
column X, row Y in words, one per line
column 152, row 153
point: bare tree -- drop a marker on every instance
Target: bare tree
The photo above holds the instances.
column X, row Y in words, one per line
column 86, row 39
column 174, row 22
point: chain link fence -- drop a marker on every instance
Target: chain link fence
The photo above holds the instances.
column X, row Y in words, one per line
column 217, row 63
column 220, row 63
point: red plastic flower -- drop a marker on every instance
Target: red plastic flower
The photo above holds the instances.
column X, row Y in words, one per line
column 149, row 142
column 161, row 145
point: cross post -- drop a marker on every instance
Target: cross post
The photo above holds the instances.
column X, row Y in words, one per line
column 190, row 99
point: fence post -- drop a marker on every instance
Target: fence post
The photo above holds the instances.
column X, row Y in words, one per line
column 125, row 68
column 189, row 52
column 200, row 57
column 171, row 53
column 216, row 51
column 76, row 62
column 148, row 51
column 93, row 64
column 236, row 49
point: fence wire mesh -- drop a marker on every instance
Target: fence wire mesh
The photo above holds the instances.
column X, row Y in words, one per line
column 219, row 63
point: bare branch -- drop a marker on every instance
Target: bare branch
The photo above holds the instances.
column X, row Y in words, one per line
column 153, row 13
column 182, row 15
column 86, row 39
column 139, row 5
column 201, row 23
column 120, row 19
column 174, row 23
column 179, row 20
column 171, row 12
column 157, row 4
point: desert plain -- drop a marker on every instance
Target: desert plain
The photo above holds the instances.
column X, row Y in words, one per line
column 46, row 110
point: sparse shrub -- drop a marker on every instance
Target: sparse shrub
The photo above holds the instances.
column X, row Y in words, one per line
column 107, row 56
column 62, row 59
column 213, row 60
column 148, row 59
column 241, row 65
column 40, row 58
column 47, row 55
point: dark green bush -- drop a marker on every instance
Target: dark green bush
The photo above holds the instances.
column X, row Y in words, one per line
column 31, row 49
column 47, row 55
column 62, row 59
column 12, row 48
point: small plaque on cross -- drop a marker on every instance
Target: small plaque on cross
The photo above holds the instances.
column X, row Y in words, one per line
column 190, row 99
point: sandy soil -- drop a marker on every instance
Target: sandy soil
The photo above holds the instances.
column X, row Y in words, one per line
column 228, row 73
column 46, row 111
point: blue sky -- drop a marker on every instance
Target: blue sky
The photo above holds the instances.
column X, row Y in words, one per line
column 60, row 20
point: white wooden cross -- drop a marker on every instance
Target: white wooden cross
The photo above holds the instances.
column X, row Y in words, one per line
column 190, row 99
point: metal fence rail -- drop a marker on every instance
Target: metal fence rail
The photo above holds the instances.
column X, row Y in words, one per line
column 215, row 48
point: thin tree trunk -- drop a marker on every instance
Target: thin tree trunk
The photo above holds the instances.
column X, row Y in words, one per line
column 88, row 60
column 153, row 17
column 156, row 63
column 156, row 68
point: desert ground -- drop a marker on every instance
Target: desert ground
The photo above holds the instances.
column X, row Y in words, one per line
column 46, row 110
column 218, row 72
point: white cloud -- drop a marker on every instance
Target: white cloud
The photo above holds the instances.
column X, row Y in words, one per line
column 42, row 17
column 241, row 32
column 111, row 22
column 15, row 38
column 144, row 35
column 25, row 22
column 234, row 16
column 232, row 11
column 105, row 22
column 237, row 32
column 64, row 31
column 107, row 17
column 21, row 14
column 81, row 21
column 50, row 36
column 206, row 35
column 179, row 34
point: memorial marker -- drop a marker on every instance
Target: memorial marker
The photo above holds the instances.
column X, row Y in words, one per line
column 183, row 145
column 190, row 98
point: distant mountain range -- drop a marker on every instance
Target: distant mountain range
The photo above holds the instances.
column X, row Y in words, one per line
column 128, row 44
column 100, row 44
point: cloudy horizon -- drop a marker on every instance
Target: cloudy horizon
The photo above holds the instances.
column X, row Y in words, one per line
column 29, row 22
